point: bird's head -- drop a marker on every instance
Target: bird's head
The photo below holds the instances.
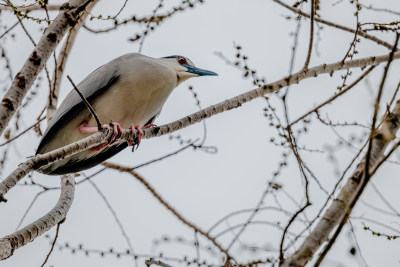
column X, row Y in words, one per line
column 185, row 68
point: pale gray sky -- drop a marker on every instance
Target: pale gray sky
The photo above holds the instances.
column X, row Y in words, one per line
column 205, row 187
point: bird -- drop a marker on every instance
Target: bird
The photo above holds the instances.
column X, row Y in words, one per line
column 128, row 91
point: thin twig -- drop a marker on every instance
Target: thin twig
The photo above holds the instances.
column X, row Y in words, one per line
column 53, row 243
column 23, row 132
column 311, row 41
column 110, row 208
column 165, row 156
column 29, row 208
column 99, row 125
column 9, row 29
column 381, row 9
column 381, row 196
column 358, row 246
column 326, row 22
column 329, row 100
column 151, row 261
column 147, row 30
column 167, row 205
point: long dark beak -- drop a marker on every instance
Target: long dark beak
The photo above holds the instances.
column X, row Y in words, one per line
column 200, row 72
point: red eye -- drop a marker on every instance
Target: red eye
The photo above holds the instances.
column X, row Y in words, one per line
column 182, row 60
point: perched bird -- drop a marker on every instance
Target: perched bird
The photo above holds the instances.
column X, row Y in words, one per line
column 129, row 90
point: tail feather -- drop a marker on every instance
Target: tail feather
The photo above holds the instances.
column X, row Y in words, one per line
column 77, row 164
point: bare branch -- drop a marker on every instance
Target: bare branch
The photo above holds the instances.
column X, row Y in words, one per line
column 53, row 243
column 10, row 243
column 226, row 105
column 329, row 100
column 329, row 23
column 52, row 156
column 30, row 8
column 86, row 103
column 62, row 61
column 311, row 40
column 366, row 176
column 167, row 205
column 69, row 14
column 150, row 262
column 338, row 208
column 23, row 132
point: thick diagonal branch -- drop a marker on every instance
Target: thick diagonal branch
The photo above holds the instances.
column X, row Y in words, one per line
column 10, row 243
column 62, row 61
column 68, row 16
column 338, row 208
column 52, row 156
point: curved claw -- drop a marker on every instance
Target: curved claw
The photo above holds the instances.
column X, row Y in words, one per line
column 117, row 131
column 133, row 128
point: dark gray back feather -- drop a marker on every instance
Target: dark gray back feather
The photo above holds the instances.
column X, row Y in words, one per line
column 92, row 86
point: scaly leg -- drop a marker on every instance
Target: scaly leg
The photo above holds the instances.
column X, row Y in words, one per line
column 84, row 129
column 149, row 126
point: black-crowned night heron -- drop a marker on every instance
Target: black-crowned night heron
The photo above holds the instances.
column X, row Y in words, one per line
column 129, row 90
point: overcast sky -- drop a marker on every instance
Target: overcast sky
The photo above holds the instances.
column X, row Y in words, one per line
column 205, row 187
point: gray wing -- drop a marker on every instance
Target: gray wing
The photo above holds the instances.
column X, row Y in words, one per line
column 93, row 85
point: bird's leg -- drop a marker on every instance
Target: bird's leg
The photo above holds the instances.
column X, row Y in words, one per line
column 84, row 129
column 149, row 126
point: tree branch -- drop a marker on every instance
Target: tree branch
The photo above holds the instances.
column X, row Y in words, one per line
column 97, row 138
column 68, row 16
column 10, row 243
column 62, row 61
column 30, row 8
column 52, row 244
column 167, row 205
column 52, row 156
column 311, row 40
column 366, row 174
column 329, row 23
column 338, row 208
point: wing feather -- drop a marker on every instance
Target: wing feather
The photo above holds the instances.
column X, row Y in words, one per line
column 93, row 85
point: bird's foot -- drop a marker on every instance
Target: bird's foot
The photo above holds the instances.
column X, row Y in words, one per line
column 117, row 131
column 114, row 127
column 136, row 140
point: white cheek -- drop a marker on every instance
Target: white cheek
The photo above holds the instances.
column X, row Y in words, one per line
column 183, row 76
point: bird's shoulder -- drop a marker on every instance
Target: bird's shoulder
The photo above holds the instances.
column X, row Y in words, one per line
column 94, row 84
